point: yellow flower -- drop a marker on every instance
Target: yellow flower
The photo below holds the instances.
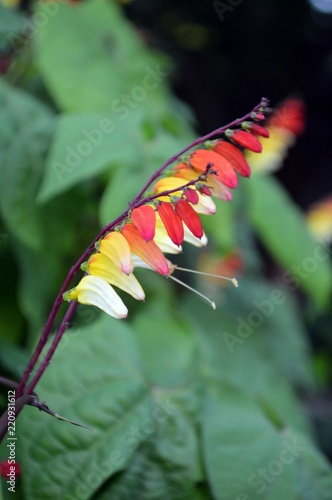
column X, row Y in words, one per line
column 94, row 291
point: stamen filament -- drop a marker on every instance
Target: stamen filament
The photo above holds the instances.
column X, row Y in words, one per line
column 233, row 280
column 213, row 305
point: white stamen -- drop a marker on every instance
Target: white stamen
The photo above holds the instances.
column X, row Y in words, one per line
column 233, row 280
column 213, row 305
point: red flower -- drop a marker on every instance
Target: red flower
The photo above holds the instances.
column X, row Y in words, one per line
column 189, row 217
column 234, row 156
column 191, row 195
column 256, row 129
column 245, row 139
column 144, row 219
column 172, row 222
column 201, row 158
column 290, row 116
column 203, row 189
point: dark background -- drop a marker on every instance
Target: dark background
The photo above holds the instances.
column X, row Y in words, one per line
column 228, row 54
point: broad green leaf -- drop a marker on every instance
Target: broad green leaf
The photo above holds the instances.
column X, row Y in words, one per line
column 247, row 457
column 234, row 352
column 85, row 145
column 10, row 24
column 282, row 229
column 96, row 379
column 26, row 126
column 120, row 190
column 166, row 344
column 167, row 465
column 271, row 314
column 122, row 73
column 40, row 274
column 154, row 151
column 13, row 359
column 153, row 476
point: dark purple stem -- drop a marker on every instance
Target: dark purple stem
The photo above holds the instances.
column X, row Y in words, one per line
column 137, row 201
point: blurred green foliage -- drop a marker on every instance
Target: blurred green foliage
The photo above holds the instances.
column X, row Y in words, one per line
column 185, row 402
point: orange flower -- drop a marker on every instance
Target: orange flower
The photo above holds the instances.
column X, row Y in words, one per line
column 148, row 251
column 233, row 155
column 221, row 168
column 286, row 122
column 219, row 190
column 289, row 116
column 144, row 219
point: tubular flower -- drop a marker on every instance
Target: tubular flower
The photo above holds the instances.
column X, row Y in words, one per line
column 102, row 266
column 165, row 218
column 116, row 248
column 284, row 125
column 144, row 219
column 205, row 204
column 149, row 252
column 162, row 238
column 256, row 129
column 245, row 139
column 172, row 222
column 189, row 217
column 220, row 166
column 233, row 155
column 219, row 190
column 94, row 291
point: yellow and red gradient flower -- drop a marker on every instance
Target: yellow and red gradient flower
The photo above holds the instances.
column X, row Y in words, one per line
column 169, row 216
column 285, row 124
column 319, row 218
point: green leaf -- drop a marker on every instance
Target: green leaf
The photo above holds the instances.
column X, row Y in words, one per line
column 121, row 74
column 247, row 457
column 95, row 380
column 39, row 277
column 10, row 23
column 130, row 177
column 85, row 145
column 166, row 344
column 282, row 228
column 26, row 126
column 234, row 352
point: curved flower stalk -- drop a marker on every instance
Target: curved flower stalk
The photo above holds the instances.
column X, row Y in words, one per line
column 165, row 212
column 169, row 215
